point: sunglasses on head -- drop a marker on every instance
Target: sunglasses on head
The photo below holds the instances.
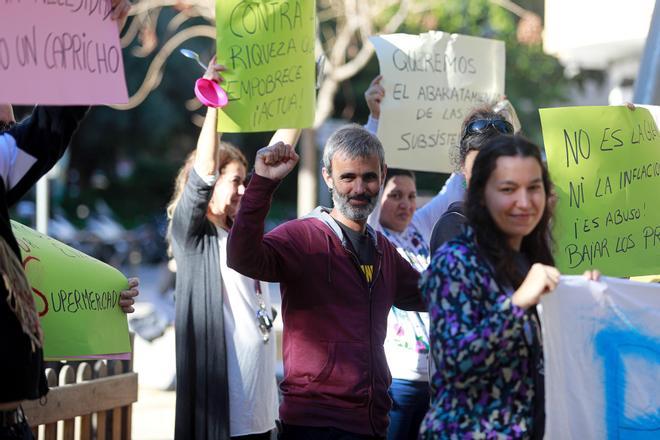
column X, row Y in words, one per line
column 482, row 125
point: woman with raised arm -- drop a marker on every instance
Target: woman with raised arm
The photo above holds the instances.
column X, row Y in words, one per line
column 225, row 348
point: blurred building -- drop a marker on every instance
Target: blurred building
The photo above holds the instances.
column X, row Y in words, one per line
column 601, row 35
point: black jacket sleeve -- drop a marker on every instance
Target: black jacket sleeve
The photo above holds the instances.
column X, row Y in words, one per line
column 448, row 226
column 44, row 135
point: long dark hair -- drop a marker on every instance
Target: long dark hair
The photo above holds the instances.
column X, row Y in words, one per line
column 537, row 245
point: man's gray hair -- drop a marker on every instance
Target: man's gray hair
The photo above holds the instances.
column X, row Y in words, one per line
column 353, row 141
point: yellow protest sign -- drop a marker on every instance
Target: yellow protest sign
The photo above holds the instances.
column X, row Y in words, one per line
column 77, row 298
column 605, row 164
column 431, row 83
column 268, row 49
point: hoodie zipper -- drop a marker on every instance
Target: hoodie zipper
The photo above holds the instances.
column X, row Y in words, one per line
column 376, row 273
column 371, row 353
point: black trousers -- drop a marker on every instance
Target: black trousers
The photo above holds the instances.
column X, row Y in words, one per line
column 262, row 436
column 19, row 431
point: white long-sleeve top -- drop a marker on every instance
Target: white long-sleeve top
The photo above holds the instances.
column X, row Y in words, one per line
column 407, row 342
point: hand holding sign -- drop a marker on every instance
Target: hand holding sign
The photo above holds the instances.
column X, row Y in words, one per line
column 120, row 10
column 207, row 88
column 540, row 279
column 79, row 299
column 374, row 96
column 127, row 297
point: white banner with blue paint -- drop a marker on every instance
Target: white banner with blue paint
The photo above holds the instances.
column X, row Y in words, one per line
column 601, row 343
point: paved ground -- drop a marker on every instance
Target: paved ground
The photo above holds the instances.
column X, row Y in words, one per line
column 153, row 415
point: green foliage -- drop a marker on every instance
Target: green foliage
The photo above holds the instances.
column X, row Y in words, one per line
column 533, row 78
column 154, row 138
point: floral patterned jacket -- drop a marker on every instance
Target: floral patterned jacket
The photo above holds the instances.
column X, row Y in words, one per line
column 483, row 386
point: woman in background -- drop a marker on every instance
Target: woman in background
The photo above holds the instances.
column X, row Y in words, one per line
column 481, row 125
column 482, row 288
column 407, row 343
column 225, row 349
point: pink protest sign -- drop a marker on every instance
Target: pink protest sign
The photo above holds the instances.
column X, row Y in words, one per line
column 60, row 52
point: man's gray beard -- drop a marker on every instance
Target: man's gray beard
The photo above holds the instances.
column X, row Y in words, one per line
column 355, row 213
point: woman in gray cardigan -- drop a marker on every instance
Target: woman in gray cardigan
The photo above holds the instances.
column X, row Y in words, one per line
column 225, row 351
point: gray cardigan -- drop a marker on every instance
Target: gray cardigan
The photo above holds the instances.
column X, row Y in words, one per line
column 202, row 401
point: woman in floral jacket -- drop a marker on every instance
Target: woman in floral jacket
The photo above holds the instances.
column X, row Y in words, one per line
column 482, row 288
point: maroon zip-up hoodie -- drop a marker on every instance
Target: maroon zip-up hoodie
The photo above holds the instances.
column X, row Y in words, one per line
column 335, row 371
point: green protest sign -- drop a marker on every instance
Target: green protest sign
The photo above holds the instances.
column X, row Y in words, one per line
column 77, row 298
column 605, row 164
column 268, row 50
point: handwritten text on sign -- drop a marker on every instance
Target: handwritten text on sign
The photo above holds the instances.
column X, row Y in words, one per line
column 268, row 49
column 605, row 164
column 77, row 297
column 60, row 52
column 431, row 82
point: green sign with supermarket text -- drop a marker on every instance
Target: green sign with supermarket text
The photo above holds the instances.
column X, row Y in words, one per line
column 76, row 296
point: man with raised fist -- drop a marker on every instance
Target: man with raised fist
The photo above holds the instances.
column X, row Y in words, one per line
column 339, row 279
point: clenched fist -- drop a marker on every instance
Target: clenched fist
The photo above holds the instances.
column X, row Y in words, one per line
column 275, row 161
column 540, row 280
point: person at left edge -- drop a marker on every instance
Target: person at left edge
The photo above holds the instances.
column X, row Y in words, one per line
column 27, row 151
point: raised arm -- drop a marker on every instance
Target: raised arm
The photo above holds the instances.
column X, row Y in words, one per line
column 206, row 158
column 190, row 212
column 273, row 257
column 374, row 96
column 33, row 146
column 288, row 136
column 30, row 148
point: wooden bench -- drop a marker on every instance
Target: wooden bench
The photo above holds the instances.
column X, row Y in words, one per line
column 87, row 400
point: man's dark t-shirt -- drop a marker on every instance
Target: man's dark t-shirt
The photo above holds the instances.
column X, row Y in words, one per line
column 364, row 249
